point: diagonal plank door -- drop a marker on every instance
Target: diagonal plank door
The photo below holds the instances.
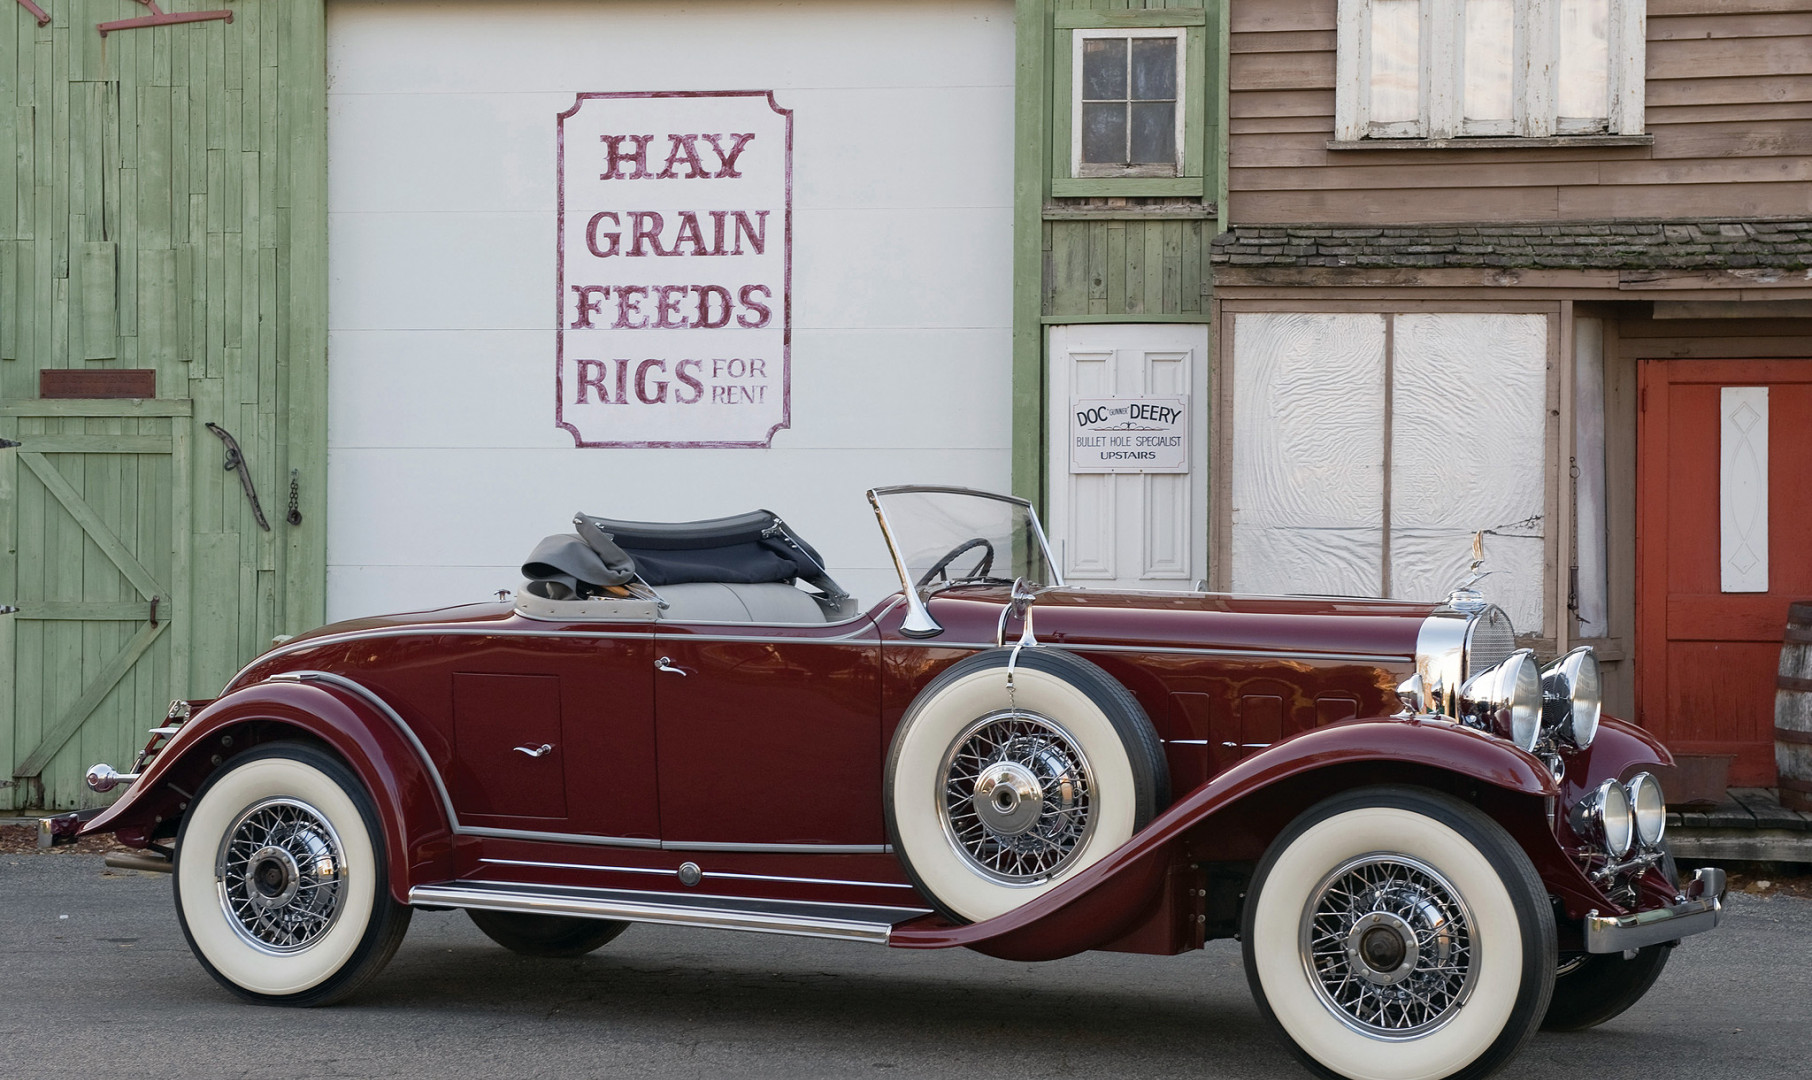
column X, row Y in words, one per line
column 97, row 557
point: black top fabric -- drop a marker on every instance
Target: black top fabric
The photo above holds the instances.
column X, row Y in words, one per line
column 567, row 567
column 747, row 549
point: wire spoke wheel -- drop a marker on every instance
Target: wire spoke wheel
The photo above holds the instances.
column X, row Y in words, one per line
column 1015, row 797
column 1389, row 946
column 281, row 872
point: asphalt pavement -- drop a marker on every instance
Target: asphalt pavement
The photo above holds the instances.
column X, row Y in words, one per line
column 96, row 981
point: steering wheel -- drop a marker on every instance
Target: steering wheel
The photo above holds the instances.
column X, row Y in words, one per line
column 981, row 568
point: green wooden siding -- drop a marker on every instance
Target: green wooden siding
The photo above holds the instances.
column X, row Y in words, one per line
column 1116, row 255
column 165, row 208
column 1121, row 267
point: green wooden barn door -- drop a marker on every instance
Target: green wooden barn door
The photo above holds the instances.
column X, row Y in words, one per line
column 162, row 212
column 99, row 573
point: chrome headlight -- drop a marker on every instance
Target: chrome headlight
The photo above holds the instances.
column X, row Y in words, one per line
column 1506, row 699
column 1604, row 817
column 1648, row 807
column 1571, row 697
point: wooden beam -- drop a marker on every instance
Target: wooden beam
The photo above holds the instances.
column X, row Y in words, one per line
column 71, row 721
column 98, row 611
column 97, row 407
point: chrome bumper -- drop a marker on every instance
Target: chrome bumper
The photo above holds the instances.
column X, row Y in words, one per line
column 1701, row 909
column 62, row 829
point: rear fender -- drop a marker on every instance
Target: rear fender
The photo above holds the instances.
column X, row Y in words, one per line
column 411, row 803
column 1109, row 898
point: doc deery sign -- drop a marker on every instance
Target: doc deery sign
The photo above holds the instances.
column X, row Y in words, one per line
column 675, row 255
column 1124, row 434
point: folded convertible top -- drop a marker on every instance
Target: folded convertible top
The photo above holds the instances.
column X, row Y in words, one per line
column 752, row 548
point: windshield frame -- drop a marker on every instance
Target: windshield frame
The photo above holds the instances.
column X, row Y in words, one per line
column 918, row 622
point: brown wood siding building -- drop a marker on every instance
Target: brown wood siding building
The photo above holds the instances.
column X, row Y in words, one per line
column 1729, row 90
column 1657, row 279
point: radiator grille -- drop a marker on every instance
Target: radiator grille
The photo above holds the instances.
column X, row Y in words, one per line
column 1489, row 641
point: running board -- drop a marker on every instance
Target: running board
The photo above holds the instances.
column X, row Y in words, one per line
column 845, row 922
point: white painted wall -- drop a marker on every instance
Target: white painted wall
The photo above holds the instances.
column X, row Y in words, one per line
column 445, row 465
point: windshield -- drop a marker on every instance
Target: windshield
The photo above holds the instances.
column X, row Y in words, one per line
column 948, row 536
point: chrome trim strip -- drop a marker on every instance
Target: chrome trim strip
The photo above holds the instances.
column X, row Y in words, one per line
column 805, row 880
column 640, row 842
column 434, row 631
column 708, row 873
column 558, row 838
column 650, row 911
column 605, row 635
column 579, row 866
column 791, row 849
column 1170, row 650
column 756, row 639
column 361, row 691
column 1188, row 742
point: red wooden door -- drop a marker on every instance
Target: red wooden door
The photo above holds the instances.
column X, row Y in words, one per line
column 1707, row 653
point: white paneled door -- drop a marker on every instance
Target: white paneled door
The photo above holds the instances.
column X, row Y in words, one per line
column 1133, row 527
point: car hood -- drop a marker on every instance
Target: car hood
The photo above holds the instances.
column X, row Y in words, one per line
column 1332, row 626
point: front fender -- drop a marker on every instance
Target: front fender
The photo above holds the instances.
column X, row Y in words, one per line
column 1107, row 898
column 402, row 783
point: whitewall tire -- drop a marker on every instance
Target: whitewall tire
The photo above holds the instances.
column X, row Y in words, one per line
column 994, row 795
column 281, row 883
column 1399, row 934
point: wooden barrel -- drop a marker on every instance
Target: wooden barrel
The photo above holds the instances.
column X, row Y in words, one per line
column 1793, row 710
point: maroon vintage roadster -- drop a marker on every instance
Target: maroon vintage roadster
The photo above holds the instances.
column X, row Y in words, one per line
column 1427, row 845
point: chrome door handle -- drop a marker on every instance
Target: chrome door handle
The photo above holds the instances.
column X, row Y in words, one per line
column 536, row 751
column 665, row 663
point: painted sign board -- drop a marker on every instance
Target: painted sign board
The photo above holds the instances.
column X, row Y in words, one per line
column 675, row 269
column 1129, row 434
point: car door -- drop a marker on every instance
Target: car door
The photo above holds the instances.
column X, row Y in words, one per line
column 553, row 731
column 769, row 737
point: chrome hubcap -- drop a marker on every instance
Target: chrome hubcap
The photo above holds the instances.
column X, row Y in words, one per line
column 1388, row 945
column 281, row 872
column 1015, row 798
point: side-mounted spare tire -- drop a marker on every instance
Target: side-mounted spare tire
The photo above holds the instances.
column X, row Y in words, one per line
column 996, row 791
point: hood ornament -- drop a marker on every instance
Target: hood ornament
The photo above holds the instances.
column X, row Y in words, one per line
column 1465, row 597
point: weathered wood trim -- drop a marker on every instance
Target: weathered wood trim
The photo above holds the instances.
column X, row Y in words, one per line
column 1033, row 97
column 1160, row 317
column 1061, row 212
column 1351, row 98
column 1628, row 48
column 1108, row 19
column 98, row 407
column 98, row 611
column 1493, row 142
column 98, row 444
column 301, row 372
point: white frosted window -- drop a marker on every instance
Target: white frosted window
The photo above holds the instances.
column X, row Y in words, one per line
column 1396, row 61
column 1469, row 410
column 1467, row 433
column 1743, row 488
column 1490, row 50
column 1583, row 76
column 1591, row 590
column 1308, row 454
